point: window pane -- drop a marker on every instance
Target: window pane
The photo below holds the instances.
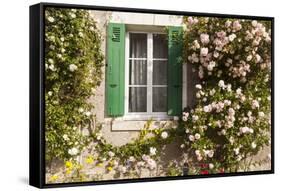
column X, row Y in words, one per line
column 159, row 99
column 137, row 72
column 137, row 99
column 159, row 72
column 160, row 46
column 138, row 45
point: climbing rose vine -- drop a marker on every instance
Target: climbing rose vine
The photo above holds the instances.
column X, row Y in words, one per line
column 231, row 120
column 73, row 65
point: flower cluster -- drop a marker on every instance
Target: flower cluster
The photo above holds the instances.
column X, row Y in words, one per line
column 73, row 70
column 232, row 117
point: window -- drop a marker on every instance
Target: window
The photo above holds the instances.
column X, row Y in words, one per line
column 146, row 74
column 143, row 72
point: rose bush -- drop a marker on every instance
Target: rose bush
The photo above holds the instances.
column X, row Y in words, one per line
column 231, row 120
column 73, row 63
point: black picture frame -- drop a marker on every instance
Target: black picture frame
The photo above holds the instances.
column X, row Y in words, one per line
column 37, row 103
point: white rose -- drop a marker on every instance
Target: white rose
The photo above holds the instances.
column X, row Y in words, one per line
column 52, row 67
column 255, row 104
column 65, row 137
column 249, row 57
column 195, row 117
column 197, row 152
column 197, row 136
column 51, row 61
column 244, row 129
column 236, row 151
column 186, row 114
column 211, row 166
column 164, row 134
column 253, row 145
column 111, row 154
column 88, row 113
column 151, row 164
column 72, row 67
column 261, row 114
column 258, row 58
column 152, row 151
column 221, row 84
column 231, row 37
column 51, row 19
column 73, row 151
column 81, row 34
column 198, row 86
column 211, row 153
column 204, row 51
column 184, row 118
column 204, row 38
column 191, row 138
column 72, row 15
column 254, row 23
column 207, row 109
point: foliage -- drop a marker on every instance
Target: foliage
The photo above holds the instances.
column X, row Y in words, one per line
column 231, row 121
column 72, row 72
column 228, row 126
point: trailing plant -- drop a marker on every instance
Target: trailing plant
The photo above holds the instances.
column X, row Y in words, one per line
column 73, row 70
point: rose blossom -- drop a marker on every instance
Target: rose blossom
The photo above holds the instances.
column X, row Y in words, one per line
column 195, row 117
column 204, row 51
column 255, row 104
column 236, row 25
column 231, row 37
column 253, row 145
column 207, row 108
column 221, row 84
column 72, row 67
column 204, row 38
column 191, row 138
column 51, row 19
column 151, row 164
column 197, row 136
column 164, row 134
column 152, row 151
column 198, row 86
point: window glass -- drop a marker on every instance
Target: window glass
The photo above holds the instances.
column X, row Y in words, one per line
column 137, row 99
column 159, row 99
column 159, row 72
column 160, row 46
column 138, row 45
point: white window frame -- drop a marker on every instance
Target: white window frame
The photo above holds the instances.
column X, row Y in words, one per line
column 149, row 114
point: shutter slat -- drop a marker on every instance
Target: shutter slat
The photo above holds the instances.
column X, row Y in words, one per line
column 175, row 71
column 115, row 71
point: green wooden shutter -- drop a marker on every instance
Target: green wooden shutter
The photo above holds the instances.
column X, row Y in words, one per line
column 175, row 71
column 115, row 71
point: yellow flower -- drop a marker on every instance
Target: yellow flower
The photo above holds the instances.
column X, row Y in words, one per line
column 68, row 171
column 109, row 168
column 54, row 178
column 99, row 164
column 68, row 164
column 89, row 160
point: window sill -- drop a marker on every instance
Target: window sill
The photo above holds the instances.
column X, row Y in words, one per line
column 145, row 117
column 137, row 122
